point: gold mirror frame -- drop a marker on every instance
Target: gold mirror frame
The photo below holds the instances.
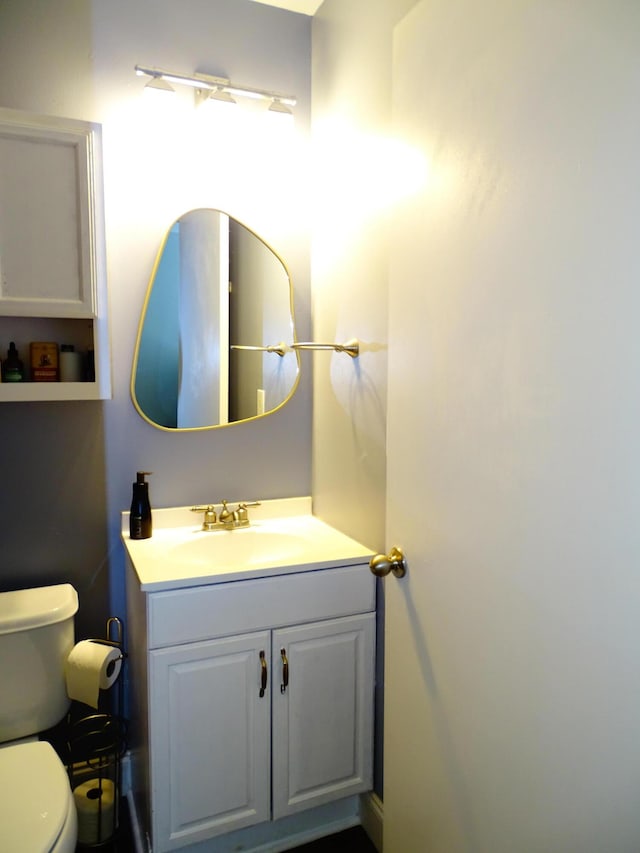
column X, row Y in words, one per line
column 237, row 351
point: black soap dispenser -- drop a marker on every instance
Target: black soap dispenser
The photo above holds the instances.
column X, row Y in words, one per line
column 140, row 515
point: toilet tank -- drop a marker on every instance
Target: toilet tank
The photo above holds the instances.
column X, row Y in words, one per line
column 36, row 636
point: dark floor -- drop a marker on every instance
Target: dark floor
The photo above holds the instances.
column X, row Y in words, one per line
column 353, row 840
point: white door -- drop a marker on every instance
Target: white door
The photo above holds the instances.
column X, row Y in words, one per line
column 512, row 685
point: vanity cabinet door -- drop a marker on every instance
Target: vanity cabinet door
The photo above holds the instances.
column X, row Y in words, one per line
column 323, row 718
column 209, row 738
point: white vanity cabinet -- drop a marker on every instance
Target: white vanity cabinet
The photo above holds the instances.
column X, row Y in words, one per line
column 257, row 704
column 52, row 247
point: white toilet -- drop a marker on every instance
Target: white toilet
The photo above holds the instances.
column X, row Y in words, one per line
column 37, row 810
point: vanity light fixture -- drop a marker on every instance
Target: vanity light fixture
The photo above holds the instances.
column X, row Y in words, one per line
column 276, row 106
column 217, row 88
column 204, row 81
column 160, row 84
column 219, row 95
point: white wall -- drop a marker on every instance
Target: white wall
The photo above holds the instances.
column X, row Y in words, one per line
column 75, row 58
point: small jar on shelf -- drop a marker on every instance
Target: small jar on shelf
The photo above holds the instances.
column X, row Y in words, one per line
column 71, row 367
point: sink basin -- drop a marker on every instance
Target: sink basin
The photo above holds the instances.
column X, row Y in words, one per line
column 284, row 538
column 252, row 545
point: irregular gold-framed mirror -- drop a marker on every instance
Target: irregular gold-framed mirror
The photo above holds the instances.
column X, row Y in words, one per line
column 213, row 344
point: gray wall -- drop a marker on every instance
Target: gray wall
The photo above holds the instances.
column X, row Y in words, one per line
column 67, row 468
column 351, row 61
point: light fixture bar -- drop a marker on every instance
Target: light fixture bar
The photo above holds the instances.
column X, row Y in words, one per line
column 211, row 83
column 263, row 94
column 200, row 81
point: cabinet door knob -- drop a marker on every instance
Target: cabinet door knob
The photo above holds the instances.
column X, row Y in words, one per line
column 394, row 562
column 263, row 674
column 285, row 671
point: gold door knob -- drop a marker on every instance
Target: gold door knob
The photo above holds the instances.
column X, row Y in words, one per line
column 394, row 562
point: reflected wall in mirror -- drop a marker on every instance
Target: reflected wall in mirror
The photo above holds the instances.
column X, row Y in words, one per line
column 212, row 345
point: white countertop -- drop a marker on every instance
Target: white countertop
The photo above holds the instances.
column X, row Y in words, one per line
column 284, row 537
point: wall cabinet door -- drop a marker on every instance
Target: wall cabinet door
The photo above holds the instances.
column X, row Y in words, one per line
column 209, row 738
column 323, row 717
column 51, row 252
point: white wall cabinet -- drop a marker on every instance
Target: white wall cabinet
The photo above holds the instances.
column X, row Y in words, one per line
column 52, row 253
column 259, row 725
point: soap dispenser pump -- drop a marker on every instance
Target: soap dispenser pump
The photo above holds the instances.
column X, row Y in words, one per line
column 140, row 516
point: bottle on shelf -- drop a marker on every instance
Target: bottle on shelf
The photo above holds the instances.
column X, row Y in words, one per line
column 12, row 366
column 44, row 361
column 90, row 366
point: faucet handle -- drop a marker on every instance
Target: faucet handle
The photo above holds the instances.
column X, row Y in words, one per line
column 241, row 515
column 209, row 515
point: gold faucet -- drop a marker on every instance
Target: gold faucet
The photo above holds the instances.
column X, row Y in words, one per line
column 226, row 519
column 226, row 516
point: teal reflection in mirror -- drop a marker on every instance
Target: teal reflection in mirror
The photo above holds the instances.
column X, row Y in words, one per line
column 214, row 335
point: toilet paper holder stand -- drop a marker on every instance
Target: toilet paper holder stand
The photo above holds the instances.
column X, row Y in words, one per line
column 113, row 630
column 104, row 740
column 114, row 636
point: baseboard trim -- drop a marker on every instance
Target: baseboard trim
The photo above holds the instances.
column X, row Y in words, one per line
column 125, row 774
column 372, row 818
column 136, row 830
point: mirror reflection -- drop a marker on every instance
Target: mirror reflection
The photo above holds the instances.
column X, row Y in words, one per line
column 218, row 315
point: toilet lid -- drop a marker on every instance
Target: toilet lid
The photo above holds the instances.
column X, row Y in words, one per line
column 35, row 797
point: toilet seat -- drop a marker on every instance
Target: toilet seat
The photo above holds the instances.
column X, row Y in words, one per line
column 37, row 811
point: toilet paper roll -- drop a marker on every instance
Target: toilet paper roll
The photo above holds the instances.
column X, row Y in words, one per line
column 90, row 668
column 95, row 805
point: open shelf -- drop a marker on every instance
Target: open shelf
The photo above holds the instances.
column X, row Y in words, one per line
column 21, row 392
column 83, row 333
